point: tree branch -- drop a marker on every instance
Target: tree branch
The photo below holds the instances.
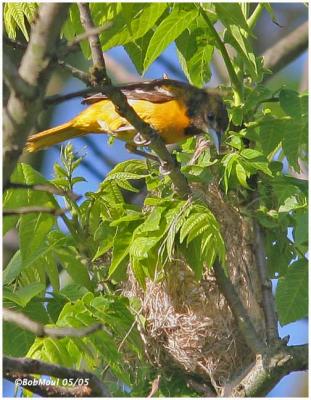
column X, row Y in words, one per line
column 44, row 188
column 244, row 323
column 99, row 72
column 40, row 330
column 7, row 212
column 286, row 50
column 28, row 366
column 14, row 81
column 266, row 288
column 268, row 370
column 126, row 111
column 20, row 113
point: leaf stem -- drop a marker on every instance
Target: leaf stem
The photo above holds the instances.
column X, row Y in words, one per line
column 252, row 20
column 236, row 84
column 245, row 9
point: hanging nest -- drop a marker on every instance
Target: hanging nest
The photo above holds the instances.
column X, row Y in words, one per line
column 188, row 323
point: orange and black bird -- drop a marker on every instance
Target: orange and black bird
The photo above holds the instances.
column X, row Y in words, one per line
column 176, row 110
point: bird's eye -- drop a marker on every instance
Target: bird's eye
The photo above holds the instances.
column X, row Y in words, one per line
column 210, row 117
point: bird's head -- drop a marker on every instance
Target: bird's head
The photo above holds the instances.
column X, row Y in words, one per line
column 209, row 114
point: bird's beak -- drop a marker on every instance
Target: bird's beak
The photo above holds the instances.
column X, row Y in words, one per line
column 216, row 138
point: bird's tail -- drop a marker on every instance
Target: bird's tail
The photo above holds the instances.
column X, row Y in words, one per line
column 52, row 136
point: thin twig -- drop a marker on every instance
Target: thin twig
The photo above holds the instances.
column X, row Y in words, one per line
column 13, row 365
column 44, row 188
column 154, row 387
column 85, row 35
column 16, row 44
column 40, row 330
column 56, row 99
column 246, row 327
column 7, row 212
column 75, row 72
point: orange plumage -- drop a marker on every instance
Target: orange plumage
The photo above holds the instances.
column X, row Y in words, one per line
column 172, row 108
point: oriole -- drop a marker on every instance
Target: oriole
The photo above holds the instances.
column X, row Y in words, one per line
column 174, row 109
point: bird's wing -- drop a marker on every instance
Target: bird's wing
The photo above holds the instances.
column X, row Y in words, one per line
column 155, row 91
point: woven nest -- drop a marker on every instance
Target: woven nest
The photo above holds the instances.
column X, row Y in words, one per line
column 188, row 323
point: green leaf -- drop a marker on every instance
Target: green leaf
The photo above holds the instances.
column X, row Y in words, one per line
column 14, row 198
column 301, row 228
column 139, row 272
column 137, row 50
column 195, row 54
column 32, row 233
column 21, row 343
column 149, row 234
column 251, row 153
column 15, row 15
column 228, row 161
column 279, row 253
column 132, row 23
column 191, row 223
column 231, row 14
column 56, row 352
column 182, row 212
column 23, row 295
column 239, row 40
column 55, row 305
column 254, row 97
column 73, row 291
column 104, row 239
column 52, row 272
column 295, row 134
column 152, row 222
column 120, row 252
column 237, row 113
column 242, row 175
column 292, row 293
column 168, row 30
column 73, row 264
column 290, row 102
column 13, row 269
column 193, row 257
column 271, row 134
column 123, row 176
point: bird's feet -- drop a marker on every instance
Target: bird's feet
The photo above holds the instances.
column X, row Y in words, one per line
column 140, row 141
column 165, row 168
